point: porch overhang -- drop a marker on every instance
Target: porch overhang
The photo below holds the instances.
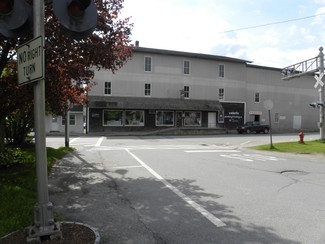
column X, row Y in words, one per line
column 107, row 102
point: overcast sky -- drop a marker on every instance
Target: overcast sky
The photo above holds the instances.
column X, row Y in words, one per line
column 211, row 27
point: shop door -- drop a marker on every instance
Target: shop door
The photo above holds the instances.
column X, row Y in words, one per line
column 179, row 119
column 55, row 124
column 212, row 120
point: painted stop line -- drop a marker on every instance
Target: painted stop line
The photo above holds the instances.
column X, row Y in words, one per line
column 251, row 157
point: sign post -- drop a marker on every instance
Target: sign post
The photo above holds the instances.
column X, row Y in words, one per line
column 268, row 104
column 31, row 62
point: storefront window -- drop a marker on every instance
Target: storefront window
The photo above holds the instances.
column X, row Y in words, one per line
column 192, row 119
column 134, row 117
column 113, row 118
column 164, row 118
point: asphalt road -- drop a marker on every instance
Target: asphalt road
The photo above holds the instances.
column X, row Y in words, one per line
column 191, row 189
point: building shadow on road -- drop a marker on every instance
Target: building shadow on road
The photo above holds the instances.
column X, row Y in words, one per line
column 128, row 209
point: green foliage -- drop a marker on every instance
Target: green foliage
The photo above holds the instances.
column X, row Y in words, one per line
column 317, row 146
column 18, row 187
column 15, row 156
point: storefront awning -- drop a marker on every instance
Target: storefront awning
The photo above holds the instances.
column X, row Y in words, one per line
column 153, row 103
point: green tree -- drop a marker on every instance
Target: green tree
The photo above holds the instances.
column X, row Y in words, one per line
column 65, row 60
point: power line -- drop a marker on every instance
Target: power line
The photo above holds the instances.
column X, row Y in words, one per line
column 273, row 23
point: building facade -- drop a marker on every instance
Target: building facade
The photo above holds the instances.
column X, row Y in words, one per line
column 171, row 90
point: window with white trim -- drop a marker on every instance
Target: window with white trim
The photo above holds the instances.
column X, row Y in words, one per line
column 108, row 88
column 147, row 90
column 186, row 67
column 221, row 94
column 147, row 64
column 221, row 71
column 72, row 119
column 186, row 91
column 257, row 97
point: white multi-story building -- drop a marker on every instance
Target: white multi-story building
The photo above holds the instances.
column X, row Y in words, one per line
column 160, row 89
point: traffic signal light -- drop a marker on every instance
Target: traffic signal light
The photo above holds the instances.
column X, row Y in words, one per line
column 78, row 18
column 313, row 105
column 15, row 17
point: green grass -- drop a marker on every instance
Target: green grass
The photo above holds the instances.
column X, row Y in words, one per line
column 18, row 190
column 317, row 146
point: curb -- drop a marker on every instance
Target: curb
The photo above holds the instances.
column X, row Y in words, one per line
column 96, row 233
column 94, row 230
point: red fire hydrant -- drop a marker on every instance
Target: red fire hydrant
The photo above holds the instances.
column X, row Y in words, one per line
column 301, row 136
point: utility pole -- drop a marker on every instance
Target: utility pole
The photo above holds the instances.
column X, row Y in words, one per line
column 44, row 224
column 311, row 66
column 78, row 19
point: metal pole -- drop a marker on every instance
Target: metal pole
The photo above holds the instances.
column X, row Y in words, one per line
column 44, row 224
column 321, row 95
column 271, row 143
column 67, row 132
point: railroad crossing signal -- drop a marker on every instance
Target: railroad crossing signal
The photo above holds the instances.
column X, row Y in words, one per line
column 15, row 18
column 319, row 80
column 78, row 18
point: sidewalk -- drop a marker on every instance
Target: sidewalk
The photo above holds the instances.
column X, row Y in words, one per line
column 85, row 193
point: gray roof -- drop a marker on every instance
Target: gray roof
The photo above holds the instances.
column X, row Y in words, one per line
column 187, row 54
column 153, row 103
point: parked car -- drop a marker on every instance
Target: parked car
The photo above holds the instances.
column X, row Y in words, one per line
column 253, row 126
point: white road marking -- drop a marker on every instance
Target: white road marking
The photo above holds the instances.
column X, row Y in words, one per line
column 100, row 140
column 251, row 157
column 74, row 139
column 237, row 156
column 214, row 220
column 212, row 151
column 128, row 167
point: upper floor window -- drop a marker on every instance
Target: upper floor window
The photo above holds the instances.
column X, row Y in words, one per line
column 186, row 91
column 147, row 89
column 147, row 64
column 108, row 88
column 257, row 97
column 221, row 71
column 221, row 93
column 186, row 68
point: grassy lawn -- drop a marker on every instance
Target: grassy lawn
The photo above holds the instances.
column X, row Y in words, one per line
column 18, row 189
column 317, row 146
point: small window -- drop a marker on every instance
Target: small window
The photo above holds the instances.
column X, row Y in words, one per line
column 186, row 91
column 72, row 119
column 147, row 64
column 276, row 117
column 147, row 90
column 186, row 67
column 192, row 118
column 164, row 118
column 134, row 118
column 257, row 97
column 112, row 118
column 221, row 94
column 108, row 88
column 221, row 70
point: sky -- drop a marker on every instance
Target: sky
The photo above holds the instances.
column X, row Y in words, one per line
column 226, row 28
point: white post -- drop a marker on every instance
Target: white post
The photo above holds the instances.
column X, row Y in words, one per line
column 321, row 95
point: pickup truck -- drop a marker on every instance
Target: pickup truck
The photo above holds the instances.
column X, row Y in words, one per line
column 250, row 127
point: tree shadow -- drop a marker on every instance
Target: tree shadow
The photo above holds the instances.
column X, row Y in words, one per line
column 129, row 209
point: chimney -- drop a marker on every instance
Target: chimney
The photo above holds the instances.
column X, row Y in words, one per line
column 136, row 43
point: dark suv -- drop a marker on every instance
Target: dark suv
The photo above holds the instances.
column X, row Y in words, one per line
column 253, row 126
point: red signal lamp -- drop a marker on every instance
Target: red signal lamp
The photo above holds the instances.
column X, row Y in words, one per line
column 6, row 6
